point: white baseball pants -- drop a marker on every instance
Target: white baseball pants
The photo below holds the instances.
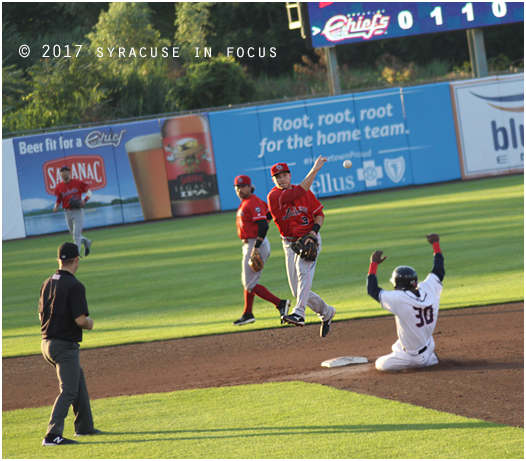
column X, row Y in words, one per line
column 249, row 278
column 401, row 360
column 301, row 275
column 75, row 221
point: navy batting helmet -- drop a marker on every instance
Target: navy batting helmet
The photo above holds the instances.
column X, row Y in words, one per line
column 404, row 278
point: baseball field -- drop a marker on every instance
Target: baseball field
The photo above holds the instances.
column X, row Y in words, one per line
column 171, row 290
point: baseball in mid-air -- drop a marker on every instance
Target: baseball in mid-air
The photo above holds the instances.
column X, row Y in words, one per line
column 347, row 164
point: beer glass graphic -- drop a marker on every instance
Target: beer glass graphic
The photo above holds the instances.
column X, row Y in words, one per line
column 147, row 162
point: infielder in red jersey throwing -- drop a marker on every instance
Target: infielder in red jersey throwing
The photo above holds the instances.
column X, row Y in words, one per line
column 415, row 307
column 297, row 213
column 252, row 227
column 69, row 194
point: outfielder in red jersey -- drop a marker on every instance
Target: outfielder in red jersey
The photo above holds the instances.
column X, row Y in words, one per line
column 297, row 212
column 252, row 227
column 68, row 192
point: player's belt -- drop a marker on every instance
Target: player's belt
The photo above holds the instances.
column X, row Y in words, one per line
column 420, row 351
column 290, row 239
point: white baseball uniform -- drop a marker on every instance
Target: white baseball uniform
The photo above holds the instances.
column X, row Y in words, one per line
column 416, row 318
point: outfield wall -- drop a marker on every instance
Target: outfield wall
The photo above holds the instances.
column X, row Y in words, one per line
column 186, row 165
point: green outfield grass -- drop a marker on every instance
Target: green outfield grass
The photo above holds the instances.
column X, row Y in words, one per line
column 264, row 421
column 181, row 277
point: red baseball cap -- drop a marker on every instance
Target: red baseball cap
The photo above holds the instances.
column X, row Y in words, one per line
column 279, row 168
column 242, row 180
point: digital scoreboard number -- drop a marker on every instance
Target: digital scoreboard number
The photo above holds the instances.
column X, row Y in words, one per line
column 336, row 23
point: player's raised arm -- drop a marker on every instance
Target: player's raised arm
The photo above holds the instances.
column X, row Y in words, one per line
column 309, row 179
column 438, row 258
column 373, row 290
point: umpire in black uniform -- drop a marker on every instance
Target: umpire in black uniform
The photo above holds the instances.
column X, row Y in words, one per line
column 63, row 312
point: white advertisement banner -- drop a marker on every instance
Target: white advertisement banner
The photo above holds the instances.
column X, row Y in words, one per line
column 489, row 121
column 12, row 219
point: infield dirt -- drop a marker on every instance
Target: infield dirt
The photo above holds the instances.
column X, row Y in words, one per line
column 480, row 374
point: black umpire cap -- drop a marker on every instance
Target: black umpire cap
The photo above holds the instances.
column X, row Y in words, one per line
column 68, row 251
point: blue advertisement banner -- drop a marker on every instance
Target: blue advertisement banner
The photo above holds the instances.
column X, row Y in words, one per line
column 336, row 23
column 432, row 138
column 383, row 134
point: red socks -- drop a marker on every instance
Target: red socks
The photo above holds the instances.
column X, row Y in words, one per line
column 249, row 302
column 263, row 293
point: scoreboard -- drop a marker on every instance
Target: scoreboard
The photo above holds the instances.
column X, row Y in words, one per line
column 338, row 23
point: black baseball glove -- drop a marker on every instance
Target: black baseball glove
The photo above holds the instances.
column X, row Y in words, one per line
column 306, row 250
column 74, row 203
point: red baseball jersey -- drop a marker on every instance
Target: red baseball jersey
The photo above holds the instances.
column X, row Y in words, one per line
column 75, row 188
column 293, row 210
column 249, row 212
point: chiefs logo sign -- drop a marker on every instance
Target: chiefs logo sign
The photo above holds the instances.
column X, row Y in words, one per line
column 87, row 168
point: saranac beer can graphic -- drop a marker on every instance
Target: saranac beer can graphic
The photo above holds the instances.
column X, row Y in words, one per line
column 190, row 166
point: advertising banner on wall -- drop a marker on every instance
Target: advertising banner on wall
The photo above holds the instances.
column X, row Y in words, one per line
column 186, row 165
column 431, row 133
column 381, row 135
column 12, row 219
column 489, row 119
column 133, row 172
column 89, row 155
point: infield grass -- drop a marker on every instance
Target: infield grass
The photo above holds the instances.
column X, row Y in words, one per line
column 181, row 277
column 264, row 422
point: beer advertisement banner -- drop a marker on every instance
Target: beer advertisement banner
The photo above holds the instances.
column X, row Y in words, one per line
column 489, row 117
column 89, row 155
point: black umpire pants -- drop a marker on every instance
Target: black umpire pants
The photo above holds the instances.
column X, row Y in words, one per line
column 64, row 356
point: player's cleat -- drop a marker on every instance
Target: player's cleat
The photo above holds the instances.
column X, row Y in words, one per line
column 87, row 247
column 93, row 432
column 57, row 440
column 283, row 308
column 294, row 319
column 244, row 319
column 326, row 326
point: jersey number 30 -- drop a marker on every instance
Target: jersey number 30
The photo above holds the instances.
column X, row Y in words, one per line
column 425, row 315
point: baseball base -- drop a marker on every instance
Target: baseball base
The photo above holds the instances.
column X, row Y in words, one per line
column 342, row 361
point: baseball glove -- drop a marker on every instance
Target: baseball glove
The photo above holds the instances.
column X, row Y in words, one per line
column 256, row 263
column 306, row 250
column 74, row 203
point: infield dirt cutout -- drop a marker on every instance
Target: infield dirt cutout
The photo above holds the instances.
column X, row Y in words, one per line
column 480, row 374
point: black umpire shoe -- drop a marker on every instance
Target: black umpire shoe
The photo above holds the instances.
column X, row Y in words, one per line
column 57, row 440
column 93, row 432
column 283, row 308
column 244, row 319
column 294, row 319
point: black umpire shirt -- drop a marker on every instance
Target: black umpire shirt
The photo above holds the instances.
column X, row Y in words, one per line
column 62, row 300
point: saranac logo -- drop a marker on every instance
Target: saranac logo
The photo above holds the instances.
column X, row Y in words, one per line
column 87, row 168
column 342, row 27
